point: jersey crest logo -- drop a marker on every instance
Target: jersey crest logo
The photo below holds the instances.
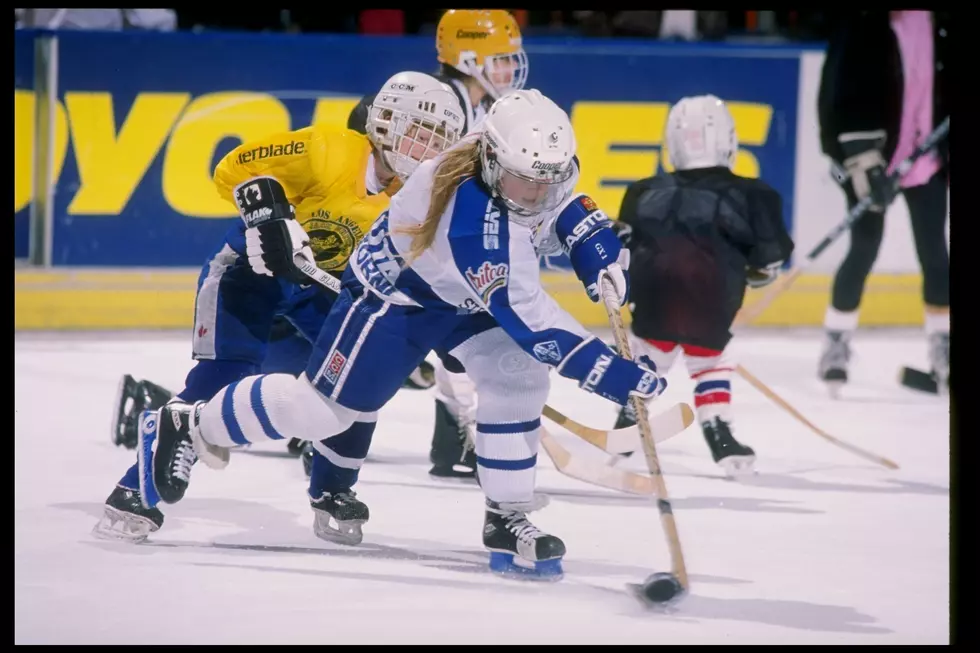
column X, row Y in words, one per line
column 547, row 352
column 487, row 279
column 332, row 239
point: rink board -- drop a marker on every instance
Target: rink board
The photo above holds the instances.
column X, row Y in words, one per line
column 82, row 299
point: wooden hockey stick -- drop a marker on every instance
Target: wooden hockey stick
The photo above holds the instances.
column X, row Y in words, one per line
column 593, row 472
column 678, row 568
column 752, row 311
column 779, row 401
column 664, row 425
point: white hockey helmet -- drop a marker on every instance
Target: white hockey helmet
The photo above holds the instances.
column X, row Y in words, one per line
column 413, row 118
column 700, row 133
column 526, row 150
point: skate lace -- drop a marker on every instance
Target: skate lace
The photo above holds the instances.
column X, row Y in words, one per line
column 524, row 530
column 184, row 460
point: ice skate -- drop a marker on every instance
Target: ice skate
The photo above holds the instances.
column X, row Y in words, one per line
column 166, row 453
column 125, row 519
column 452, row 453
column 736, row 458
column 132, row 398
column 832, row 367
column 517, row 548
column 339, row 517
column 939, row 360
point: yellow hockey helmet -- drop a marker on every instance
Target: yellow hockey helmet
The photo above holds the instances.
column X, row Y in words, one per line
column 486, row 45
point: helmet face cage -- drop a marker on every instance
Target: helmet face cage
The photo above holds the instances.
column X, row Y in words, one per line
column 506, row 72
column 407, row 138
column 526, row 196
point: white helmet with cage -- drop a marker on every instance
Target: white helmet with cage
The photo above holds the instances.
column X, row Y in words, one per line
column 413, row 118
column 700, row 133
column 526, row 151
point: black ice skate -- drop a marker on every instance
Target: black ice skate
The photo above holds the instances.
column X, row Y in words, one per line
column 508, row 533
column 165, row 453
column 339, row 516
column 132, row 398
column 126, row 519
column 832, row 368
column 728, row 452
column 452, row 454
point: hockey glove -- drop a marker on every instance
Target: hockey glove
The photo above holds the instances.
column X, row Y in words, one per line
column 273, row 238
column 761, row 277
column 866, row 167
column 592, row 246
column 599, row 370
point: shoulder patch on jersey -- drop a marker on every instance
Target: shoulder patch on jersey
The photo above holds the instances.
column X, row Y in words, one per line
column 487, row 279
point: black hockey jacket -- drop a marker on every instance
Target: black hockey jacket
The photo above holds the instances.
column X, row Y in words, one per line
column 861, row 84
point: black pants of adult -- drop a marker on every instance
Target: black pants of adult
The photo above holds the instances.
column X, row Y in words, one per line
column 927, row 210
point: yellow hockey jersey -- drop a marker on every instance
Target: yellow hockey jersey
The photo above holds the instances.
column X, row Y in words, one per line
column 323, row 170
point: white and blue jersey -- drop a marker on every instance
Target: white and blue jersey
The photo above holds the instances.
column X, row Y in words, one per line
column 481, row 272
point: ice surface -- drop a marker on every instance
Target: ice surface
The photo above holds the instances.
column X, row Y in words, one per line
column 821, row 547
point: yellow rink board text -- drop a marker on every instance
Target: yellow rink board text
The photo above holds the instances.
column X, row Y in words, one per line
column 93, row 299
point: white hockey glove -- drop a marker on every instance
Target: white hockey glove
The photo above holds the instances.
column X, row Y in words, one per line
column 761, row 277
column 273, row 239
column 866, row 167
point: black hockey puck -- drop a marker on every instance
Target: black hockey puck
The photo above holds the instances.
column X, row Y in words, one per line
column 661, row 588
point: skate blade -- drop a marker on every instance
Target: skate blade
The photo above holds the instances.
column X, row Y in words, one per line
column 349, row 533
column 503, row 564
column 118, row 526
column 738, row 466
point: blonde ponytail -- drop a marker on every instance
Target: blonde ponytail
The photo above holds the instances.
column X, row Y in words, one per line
column 456, row 165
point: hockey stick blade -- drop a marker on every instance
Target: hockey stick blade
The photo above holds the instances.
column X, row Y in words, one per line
column 914, row 379
column 664, row 426
column 592, row 472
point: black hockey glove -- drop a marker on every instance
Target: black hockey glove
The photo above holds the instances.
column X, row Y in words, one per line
column 866, row 168
column 273, row 238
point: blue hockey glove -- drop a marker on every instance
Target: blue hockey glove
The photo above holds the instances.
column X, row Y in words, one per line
column 593, row 247
column 599, row 370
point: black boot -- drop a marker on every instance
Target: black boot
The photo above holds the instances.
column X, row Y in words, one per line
column 165, row 453
column 507, row 532
column 339, row 516
column 728, row 452
column 126, row 519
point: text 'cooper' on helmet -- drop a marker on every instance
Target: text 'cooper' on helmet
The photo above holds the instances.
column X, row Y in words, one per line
column 526, row 151
column 413, row 118
column 485, row 44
